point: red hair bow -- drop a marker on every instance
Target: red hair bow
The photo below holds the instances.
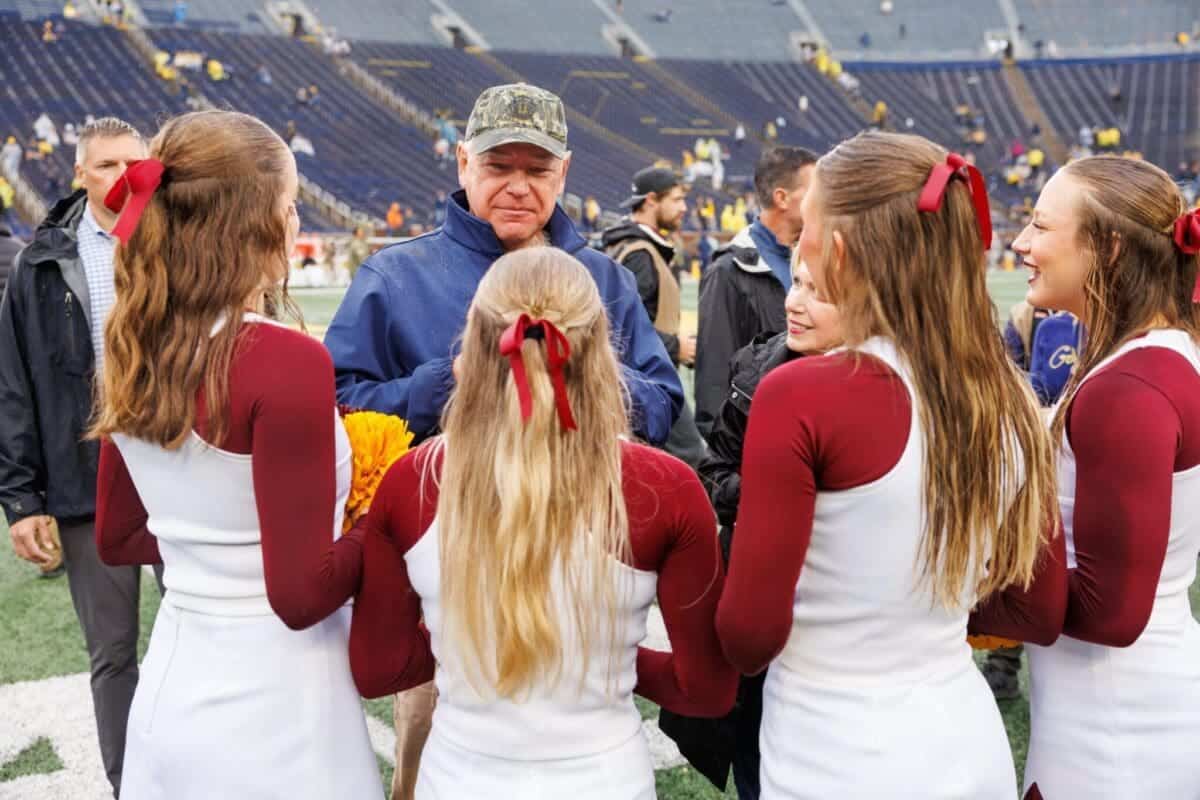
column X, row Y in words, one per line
column 131, row 194
column 1187, row 239
column 558, row 350
column 940, row 176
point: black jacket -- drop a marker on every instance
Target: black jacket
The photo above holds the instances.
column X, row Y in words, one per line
column 46, row 366
column 9, row 247
column 740, row 298
column 721, row 468
column 642, row 267
column 709, row 745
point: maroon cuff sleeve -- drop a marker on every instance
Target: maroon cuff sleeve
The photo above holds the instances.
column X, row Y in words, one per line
column 1034, row 614
column 773, row 531
column 292, row 417
column 694, row 678
column 389, row 645
column 1125, row 434
column 121, row 533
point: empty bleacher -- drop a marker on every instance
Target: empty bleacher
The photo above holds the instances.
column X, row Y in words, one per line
column 379, row 20
column 1083, row 25
column 234, row 16
column 715, row 29
column 932, row 30
column 364, row 153
column 571, row 27
column 1158, row 112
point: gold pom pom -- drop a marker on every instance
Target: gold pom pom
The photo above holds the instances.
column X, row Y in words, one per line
column 377, row 441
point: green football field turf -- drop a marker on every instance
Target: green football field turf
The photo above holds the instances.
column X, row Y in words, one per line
column 41, row 638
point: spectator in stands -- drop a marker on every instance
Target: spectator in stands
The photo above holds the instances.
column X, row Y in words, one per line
column 180, row 12
column 395, row 219
column 45, row 130
column 770, row 131
column 70, row 135
column 742, row 294
column 10, row 155
column 301, row 145
column 7, row 196
column 864, row 41
column 440, row 200
column 314, row 95
column 663, row 15
column 216, row 70
column 359, row 249
column 739, row 135
column 51, row 320
column 70, row 11
column 903, row 31
column 879, row 115
column 302, row 96
column 802, row 103
column 263, row 75
column 657, row 207
column 48, row 34
column 591, row 214
column 393, row 338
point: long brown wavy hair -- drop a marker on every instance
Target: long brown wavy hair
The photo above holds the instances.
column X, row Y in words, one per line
column 919, row 279
column 1137, row 278
column 210, row 242
column 526, row 506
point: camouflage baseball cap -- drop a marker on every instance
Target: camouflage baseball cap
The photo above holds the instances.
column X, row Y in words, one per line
column 518, row 112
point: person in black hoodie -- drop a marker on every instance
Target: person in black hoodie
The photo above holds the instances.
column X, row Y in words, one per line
column 812, row 328
column 658, row 204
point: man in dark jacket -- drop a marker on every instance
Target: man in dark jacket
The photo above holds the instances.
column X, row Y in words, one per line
column 51, row 316
column 10, row 245
column 393, row 337
column 658, row 204
column 742, row 293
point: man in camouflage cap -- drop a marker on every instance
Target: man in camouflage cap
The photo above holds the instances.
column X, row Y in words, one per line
column 393, row 339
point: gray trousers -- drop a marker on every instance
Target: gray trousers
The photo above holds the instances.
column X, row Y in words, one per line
column 106, row 601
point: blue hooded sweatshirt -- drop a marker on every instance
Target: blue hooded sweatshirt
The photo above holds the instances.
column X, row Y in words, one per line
column 395, row 334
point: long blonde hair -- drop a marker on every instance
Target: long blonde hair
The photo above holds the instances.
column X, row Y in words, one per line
column 1137, row 277
column 210, row 238
column 919, row 279
column 525, row 504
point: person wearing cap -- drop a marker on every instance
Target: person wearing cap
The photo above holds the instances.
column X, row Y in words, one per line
column 742, row 294
column 394, row 338
column 658, row 205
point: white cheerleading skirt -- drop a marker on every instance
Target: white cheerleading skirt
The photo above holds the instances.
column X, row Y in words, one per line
column 244, row 707
column 940, row 739
column 451, row 772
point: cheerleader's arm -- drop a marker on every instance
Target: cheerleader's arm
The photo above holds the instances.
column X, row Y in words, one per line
column 122, row 535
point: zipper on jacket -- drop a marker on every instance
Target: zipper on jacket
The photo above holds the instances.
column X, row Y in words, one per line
column 69, row 301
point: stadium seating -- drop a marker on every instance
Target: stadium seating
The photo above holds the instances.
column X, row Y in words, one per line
column 364, row 153
column 576, row 26
column 404, row 21
column 1082, row 25
column 214, row 15
column 1158, row 114
column 714, row 29
column 932, row 30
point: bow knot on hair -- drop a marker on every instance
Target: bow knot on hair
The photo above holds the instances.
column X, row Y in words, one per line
column 131, row 194
column 1187, row 232
column 1187, row 239
column 955, row 166
column 558, row 350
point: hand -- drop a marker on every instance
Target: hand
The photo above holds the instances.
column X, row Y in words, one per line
column 687, row 350
column 32, row 539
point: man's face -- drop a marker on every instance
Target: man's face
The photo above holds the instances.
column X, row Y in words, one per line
column 672, row 206
column 104, row 160
column 514, row 188
column 793, row 198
